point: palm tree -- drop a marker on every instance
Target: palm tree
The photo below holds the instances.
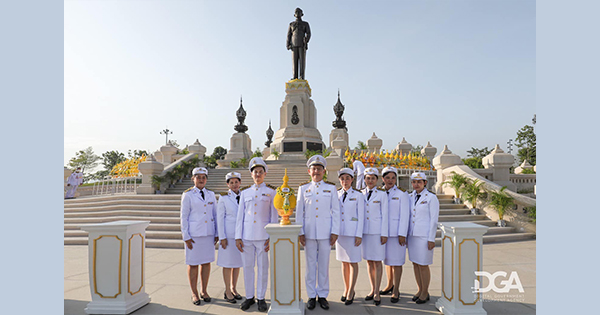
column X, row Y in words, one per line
column 472, row 192
column 502, row 203
column 458, row 183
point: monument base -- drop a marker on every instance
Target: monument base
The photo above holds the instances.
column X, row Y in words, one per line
column 448, row 309
column 290, row 311
column 240, row 146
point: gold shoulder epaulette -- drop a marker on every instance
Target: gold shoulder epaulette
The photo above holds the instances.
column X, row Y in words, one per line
column 381, row 188
column 301, row 184
column 189, row 189
column 431, row 192
column 224, row 193
column 340, row 188
column 245, row 187
column 271, row 186
column 330, row 183
column 404, row 190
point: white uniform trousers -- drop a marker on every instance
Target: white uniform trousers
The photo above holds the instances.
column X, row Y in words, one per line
column 71, row 191
column 255, row 251
column 317, row 262
column 360, row 182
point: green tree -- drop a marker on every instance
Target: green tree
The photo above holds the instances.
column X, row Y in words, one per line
column 416, row 151
column 218, row 153
column 361, row 146
column 136, row 153
column 257, row 153
column 473, row 162
column 479, row 153
column 525, row 141
column 112, row 158
column 86, row 159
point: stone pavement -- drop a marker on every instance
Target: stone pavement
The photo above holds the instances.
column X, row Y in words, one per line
column 166, row 283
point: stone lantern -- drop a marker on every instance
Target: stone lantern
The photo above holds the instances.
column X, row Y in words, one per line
column 429, row 151
column 444, row 160
column 374, row 144
column 500, row 162
column 404, row 147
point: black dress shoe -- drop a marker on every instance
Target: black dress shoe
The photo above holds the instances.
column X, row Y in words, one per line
column 196, row 302
column 262, row 306
column 312, row 302
column 237, row 297
column 246, row 304
column 206, row 299
column 232, row 300
column 415, row 298
column 386, row 292
column 323, row 303
column 343, row 299
column 349, row 301
column 395, row 299
column 368, row 297
column 377, row 302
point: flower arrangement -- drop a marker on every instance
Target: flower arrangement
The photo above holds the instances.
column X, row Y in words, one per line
column 127, row 168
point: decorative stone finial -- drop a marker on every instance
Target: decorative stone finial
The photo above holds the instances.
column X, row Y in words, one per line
column 497, row 149
column 241, row 116
column 270, row 134
column 338, row 109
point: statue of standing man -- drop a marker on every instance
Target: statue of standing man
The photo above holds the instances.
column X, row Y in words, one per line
column 297, row 41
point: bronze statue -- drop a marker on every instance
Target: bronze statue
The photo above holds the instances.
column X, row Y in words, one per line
column 297, row 41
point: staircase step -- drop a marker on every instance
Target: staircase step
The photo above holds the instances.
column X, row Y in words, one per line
column 142, row 213
column 82, row 221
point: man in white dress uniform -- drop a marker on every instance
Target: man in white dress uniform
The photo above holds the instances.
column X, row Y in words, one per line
column 256, row 210
column 318, row 212
column 359, row 170
column 74, row 180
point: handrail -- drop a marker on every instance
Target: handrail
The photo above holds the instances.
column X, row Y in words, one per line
column 116, row 185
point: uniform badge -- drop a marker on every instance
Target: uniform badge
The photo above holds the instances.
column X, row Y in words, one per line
column 395, row 198
column 352, row 199
column 376, row 201
column 424, row 202
column 354, row 219
column 266, row 195
column 326, row 191
column 210, row 202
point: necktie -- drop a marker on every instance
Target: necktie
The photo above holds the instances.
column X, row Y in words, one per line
column 344, row 198
column 418, row 196
column 369, row 195
column 387, row 192
column 238, row 199
column 202, row 193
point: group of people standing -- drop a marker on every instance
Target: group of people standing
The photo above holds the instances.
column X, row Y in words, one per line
column 378, row 224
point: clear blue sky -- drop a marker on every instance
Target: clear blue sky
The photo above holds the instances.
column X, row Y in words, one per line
column 460, row 73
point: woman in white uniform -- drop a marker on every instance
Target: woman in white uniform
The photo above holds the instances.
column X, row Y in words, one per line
column 199, row 230
column 348, row 245
column 229, row 257
column 395, row 248
column 375, row 232
column 425, row 209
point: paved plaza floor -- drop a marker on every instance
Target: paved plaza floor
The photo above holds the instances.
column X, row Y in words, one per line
column 166, row 283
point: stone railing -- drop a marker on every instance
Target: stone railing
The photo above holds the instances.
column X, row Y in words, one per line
column 524, row 182
column 111, row 185
column 515, row 217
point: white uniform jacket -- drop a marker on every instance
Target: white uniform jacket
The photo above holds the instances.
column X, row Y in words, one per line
column 358, row 167
column 318, row 210
column 399, row 210
column 73, row 180
column 255, row 211
column 227, row 209
column 424, row 215
column 352, row 213
column 198, row 216
column 376, row 212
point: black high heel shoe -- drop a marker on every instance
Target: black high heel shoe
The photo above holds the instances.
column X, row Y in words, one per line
column 237, row 297
column 377, row 302
column 395, row 299
column 349, row 301
column 386, row 292
column 369, row 297
column 232, row 300
column 196, row 302
column 419, row 301
column 343, row 299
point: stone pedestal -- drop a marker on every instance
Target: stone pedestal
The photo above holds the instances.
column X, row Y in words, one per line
column 167, row 151
column 429, row 151
column 240, row 146
column 334, row 163
column 500, row 162
column 266, row 152
column 116, row 266
column 339, row 146
column 339, row 133
column 524, row 166
column 298, row 123
column 285, row 269
column 149, row 168
column 462, row 255
column 374, row 144
column 442, row 161
column 403, row 147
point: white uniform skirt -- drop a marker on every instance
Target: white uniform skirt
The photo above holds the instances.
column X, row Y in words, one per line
column 372, row 248
column 230, row 257
column 346, row 251
column 417, row 250
column 395, row 254
column 203, row 251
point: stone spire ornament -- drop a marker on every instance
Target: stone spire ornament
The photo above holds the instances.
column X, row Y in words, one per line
column 270, row 134
column 338, row 109
column 241, row 116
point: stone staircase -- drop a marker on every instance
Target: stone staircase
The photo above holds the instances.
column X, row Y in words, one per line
column 163, row 211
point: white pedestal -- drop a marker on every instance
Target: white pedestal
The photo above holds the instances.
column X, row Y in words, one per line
column 116, row 266
column 285, row 269
column 462, row 255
